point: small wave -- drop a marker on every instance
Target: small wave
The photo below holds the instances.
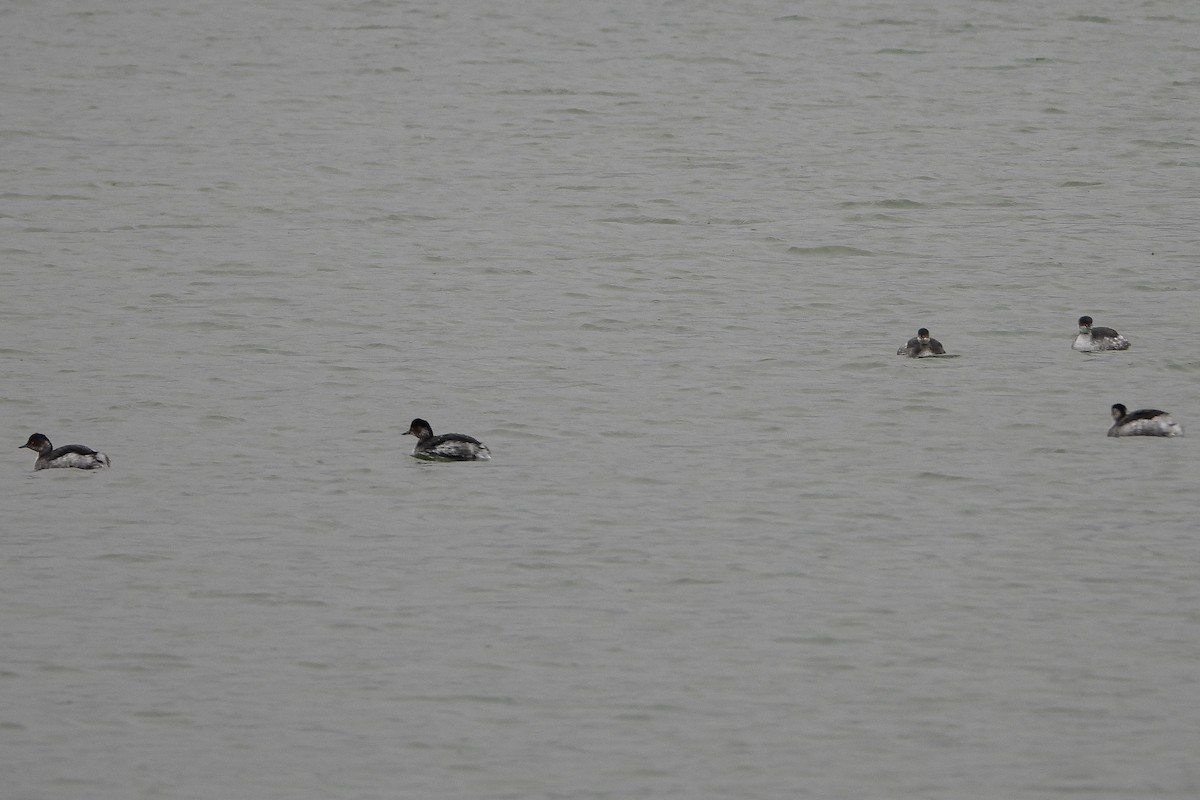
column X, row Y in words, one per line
column 941, row 476
column 641, row 219
column 895, row 202
column 1161, row 145
column 828, row 250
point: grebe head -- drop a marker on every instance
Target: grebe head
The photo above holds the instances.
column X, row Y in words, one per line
column 1118, row 410
column 1085, row 324
column 37, row 443
column 419, row 428
column 923, row 334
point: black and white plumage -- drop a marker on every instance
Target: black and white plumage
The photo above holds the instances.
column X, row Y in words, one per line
column 921, row 346
column 1143, row 422
column 1093, row 338
column 447, row 446
column 69, row 455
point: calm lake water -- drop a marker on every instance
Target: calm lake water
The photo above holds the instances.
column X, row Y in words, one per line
column 659, row 258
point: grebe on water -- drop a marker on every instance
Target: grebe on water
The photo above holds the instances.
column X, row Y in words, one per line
column 1094, row 338
column 1143, row 422
column 447, row 446
column 69, row 455
column 921, row 346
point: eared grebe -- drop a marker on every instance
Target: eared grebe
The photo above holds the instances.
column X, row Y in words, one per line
column 69, row 455
column 921, row 346
column 1092, row 339
column 447, row 447
column 1143, row 422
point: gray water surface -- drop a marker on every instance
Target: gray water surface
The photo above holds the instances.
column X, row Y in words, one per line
column 659, row 258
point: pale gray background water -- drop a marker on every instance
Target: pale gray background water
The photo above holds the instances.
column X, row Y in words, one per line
column 659, row 257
